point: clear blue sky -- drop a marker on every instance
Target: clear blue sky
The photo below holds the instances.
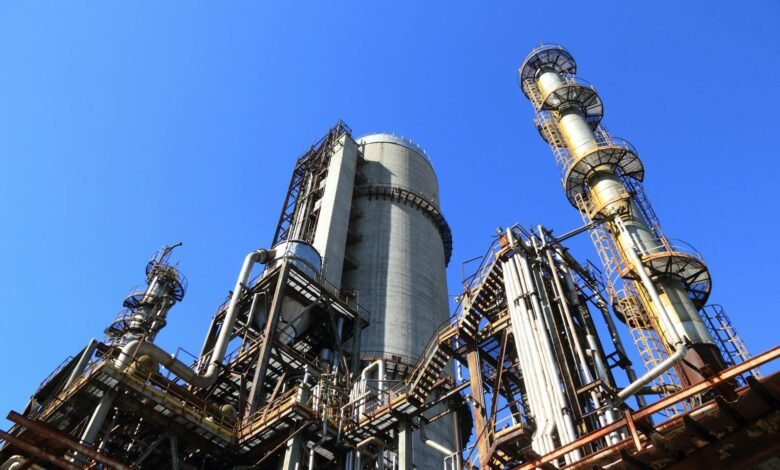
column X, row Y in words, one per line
column 128, row 125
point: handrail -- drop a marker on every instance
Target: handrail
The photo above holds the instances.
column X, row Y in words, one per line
column 650, row 410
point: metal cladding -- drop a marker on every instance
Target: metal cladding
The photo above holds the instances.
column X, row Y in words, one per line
column 657, row 287
column 400, row 258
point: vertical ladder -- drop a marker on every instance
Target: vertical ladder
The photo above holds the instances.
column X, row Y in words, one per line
column 726, row 337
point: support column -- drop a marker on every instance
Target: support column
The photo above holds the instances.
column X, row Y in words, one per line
column 405, row 436
column 478, row 406
column 264, row 355
column 292, row 455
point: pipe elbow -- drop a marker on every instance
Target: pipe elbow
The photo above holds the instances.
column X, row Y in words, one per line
column 262, row 256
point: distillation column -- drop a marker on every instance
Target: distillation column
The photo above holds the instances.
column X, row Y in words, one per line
column 601, row 175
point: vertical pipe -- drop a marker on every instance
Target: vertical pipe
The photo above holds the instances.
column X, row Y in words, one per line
column 567, row 432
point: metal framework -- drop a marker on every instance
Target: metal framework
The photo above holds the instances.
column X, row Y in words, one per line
column 280, row 382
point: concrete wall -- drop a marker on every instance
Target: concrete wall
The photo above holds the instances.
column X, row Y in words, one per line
column 400, row 276
column 330, row 238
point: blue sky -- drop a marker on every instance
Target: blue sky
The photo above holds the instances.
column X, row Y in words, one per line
column 127, row 126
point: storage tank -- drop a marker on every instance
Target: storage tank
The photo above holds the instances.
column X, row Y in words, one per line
column 399, row 263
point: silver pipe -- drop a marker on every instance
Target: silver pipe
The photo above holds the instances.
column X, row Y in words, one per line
column 648, row 284
column 434, row 444
column 535, row 367
column 650, row 375
column 82, row 364
column 568, row 428
column 98, row 417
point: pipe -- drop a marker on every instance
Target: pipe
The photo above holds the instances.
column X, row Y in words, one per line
column 607, row 416
column 379, row 365
column 174, row 452
column 98, row 417
column 529, row 351
column 434, row 444
column 650, row 375
column 82, row 363
column 547, row 417
column 648, row 284
column 140, row 347
column 13, row 462
column 547, row 356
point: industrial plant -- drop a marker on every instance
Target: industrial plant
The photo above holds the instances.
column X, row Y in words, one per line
column 337, row 347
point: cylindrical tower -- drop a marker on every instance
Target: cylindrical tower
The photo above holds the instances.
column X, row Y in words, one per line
column 399, row 262
column 654, row 284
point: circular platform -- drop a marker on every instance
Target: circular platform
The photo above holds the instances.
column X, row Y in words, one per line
column 688, row 268
column 615, row 156
column 546, row 56
column 574, row 92
column 175, row 283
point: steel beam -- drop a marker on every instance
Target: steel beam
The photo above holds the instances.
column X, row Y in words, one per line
column 37, row 452
column 264, row 355
column 45, row 431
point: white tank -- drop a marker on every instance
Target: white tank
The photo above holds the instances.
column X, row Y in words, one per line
column 305, row 257
column 401, row 259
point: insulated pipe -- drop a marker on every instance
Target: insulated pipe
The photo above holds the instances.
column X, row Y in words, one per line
column 519, row 333
column 666, row 322
column 551, row 414
column 537, row 367
column 82, row 364
column 650, row 375
column 522, row 342
column 434, row 444
column 568, row 429
column 527, row 351
column 98, row 417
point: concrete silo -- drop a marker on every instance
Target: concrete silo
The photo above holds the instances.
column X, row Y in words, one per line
column 399, row 263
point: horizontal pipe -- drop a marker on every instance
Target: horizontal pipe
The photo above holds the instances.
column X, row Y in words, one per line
column 650, row 375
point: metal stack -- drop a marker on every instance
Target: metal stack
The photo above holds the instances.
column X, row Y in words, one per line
column 657, row 287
